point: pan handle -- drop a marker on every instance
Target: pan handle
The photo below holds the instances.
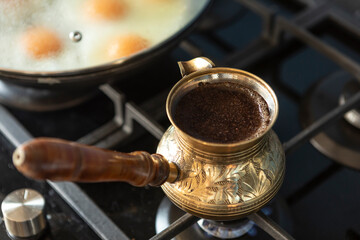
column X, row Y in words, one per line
column 60, row 160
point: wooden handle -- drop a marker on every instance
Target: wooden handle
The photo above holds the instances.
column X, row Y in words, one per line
column 60, row 160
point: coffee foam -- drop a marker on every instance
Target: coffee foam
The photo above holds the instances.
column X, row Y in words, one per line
column 214, row 112
column 263, row 109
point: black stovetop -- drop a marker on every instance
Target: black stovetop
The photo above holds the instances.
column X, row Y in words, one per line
column 320, row 195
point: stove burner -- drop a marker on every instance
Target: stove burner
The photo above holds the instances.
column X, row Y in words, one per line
column 212, row 230
column 351, row 88
column 167, row 214
column 226, row 230
column 37, row 99
column 339, row 142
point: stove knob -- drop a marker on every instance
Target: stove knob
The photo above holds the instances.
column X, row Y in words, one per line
column 23, row 213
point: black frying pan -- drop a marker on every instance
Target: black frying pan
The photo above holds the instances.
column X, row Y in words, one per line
column 94, row 76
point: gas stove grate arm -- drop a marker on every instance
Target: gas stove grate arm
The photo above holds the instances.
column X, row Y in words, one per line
column 121, row 125
column 284, row 25
column 71, row 193
column 259, row 218
column 321, row 123
column 176, row 227
column 269, row 226
column 275, row 26
column 309, row 186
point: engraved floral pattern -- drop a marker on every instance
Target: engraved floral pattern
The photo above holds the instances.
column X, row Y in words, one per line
column 254, row 183
column 213, row 184
column 228, row 184
column 224, row 185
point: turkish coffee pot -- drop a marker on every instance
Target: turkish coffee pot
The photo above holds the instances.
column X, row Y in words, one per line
column 218, row 181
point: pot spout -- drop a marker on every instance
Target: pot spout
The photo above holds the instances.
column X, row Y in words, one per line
column 194, row 65
column 60, row 160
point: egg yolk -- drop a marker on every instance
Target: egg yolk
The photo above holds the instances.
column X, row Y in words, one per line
column 41, row 42
column 123, row 46
column 105, row 9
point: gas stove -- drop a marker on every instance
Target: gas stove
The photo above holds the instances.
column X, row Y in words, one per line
column 306, row 50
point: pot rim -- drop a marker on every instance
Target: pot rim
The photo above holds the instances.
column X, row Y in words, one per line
column 213, row 146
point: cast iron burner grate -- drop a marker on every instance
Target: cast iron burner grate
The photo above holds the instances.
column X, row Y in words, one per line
column 107, row 136
column 282, row 35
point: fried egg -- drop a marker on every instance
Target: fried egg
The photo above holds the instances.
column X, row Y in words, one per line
column 125, row 45
column 105, row 9
column 41, row 42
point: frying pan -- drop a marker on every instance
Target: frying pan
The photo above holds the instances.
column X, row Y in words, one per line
column 88, row 78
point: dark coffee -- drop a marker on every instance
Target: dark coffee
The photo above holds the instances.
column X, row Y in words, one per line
column 222, row 112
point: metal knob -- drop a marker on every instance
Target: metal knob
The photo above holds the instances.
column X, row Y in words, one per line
column 23, row 212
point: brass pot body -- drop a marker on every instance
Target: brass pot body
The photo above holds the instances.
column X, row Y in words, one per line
column 224, row 187
column 222, row 181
